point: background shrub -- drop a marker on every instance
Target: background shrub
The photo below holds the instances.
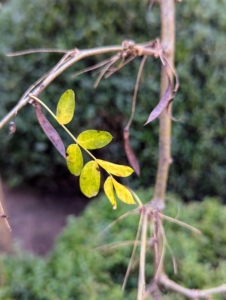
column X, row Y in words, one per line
column 83, row 265
column 199, row 137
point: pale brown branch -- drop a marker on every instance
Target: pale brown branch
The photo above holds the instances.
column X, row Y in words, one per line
column 127, row 50
column 121, row 65
column 135, row 92
column 195, row 230
column 115, row 245
column 73, row 59
column 135, row 211
column 2, row 213
column 31, row 51
column 170, row 249
column 190, row 293
column 104, row 70
column 141, row 280
column 104, row 62
column 133, row 253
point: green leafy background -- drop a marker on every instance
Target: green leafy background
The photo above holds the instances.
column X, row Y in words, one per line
column 198, row 144
column 81, row 267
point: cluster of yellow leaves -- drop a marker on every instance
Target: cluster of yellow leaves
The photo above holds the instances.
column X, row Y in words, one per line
column 89, row 173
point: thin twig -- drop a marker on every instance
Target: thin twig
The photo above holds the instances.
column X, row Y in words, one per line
column 51, row 71
column 104, row 62
column 181, row 223
column 133, row 253
column 190, row 293
column 31, row 51
column 5, row 218
column 135, row 211
column 170, row 249
column 177, row 204
column 141, row 280
column 104, row 70
column 115, row 245
column 160, row 249
column 121, row 65
column 82, row 54
column 135, row 92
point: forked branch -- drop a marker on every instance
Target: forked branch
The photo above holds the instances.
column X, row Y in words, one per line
column 126, row 51
column 190, row 293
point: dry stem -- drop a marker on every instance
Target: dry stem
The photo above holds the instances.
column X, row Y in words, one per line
column 192, row 294
column 127, row 50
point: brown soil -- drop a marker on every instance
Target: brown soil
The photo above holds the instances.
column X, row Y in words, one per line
column 37, row 219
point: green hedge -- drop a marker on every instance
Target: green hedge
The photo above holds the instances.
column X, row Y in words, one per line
column 82, row 265
column 198, row 139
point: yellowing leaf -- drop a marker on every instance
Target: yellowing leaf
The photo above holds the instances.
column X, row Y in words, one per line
column 117, row 170
column 123, row 193
column 94, row 139
column 109, row 191
column 66, row 107
column 90, row 179
column 74, row 159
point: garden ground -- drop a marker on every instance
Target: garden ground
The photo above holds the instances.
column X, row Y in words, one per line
column 37, row 218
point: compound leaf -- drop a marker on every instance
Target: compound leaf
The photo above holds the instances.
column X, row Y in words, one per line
column 66, row 107
column 90, row 179
column 94, row 139
column 123, row 193
column 109, row 191
column 114, row 169
column 74, row 159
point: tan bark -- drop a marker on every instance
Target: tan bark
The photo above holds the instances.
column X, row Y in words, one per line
column 168, row 44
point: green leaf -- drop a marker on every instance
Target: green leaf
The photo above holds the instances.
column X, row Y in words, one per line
column 90, row 179
column 94, row 139
column 117, row 170
column 123, row 193
column 109, row 191
column 66, row 107
column 74, row 159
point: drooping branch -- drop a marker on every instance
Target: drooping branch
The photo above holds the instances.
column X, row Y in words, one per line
column 126, row 50
column 70, row 58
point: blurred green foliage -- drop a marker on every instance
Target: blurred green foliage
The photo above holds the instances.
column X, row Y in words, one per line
column 198, row 139
column 83, row 265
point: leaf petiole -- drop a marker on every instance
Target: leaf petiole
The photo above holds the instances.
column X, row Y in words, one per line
column 64, row 127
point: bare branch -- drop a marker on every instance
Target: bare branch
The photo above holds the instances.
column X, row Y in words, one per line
column 135, row 92
column 129, row 50
column 195, row 230
column 105, row 69
column 96, row 66
column 2, row 213
column 141, row 280
column 192, row 294
column 73, row 59
column 31, row 51
column 133, row 253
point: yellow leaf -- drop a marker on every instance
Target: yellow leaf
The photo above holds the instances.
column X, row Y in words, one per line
column 117, row 170
column 66, row 107
column 123, row 193
column 94, row 139
column 74, row 159
column 109, row 191
column 90, row 179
